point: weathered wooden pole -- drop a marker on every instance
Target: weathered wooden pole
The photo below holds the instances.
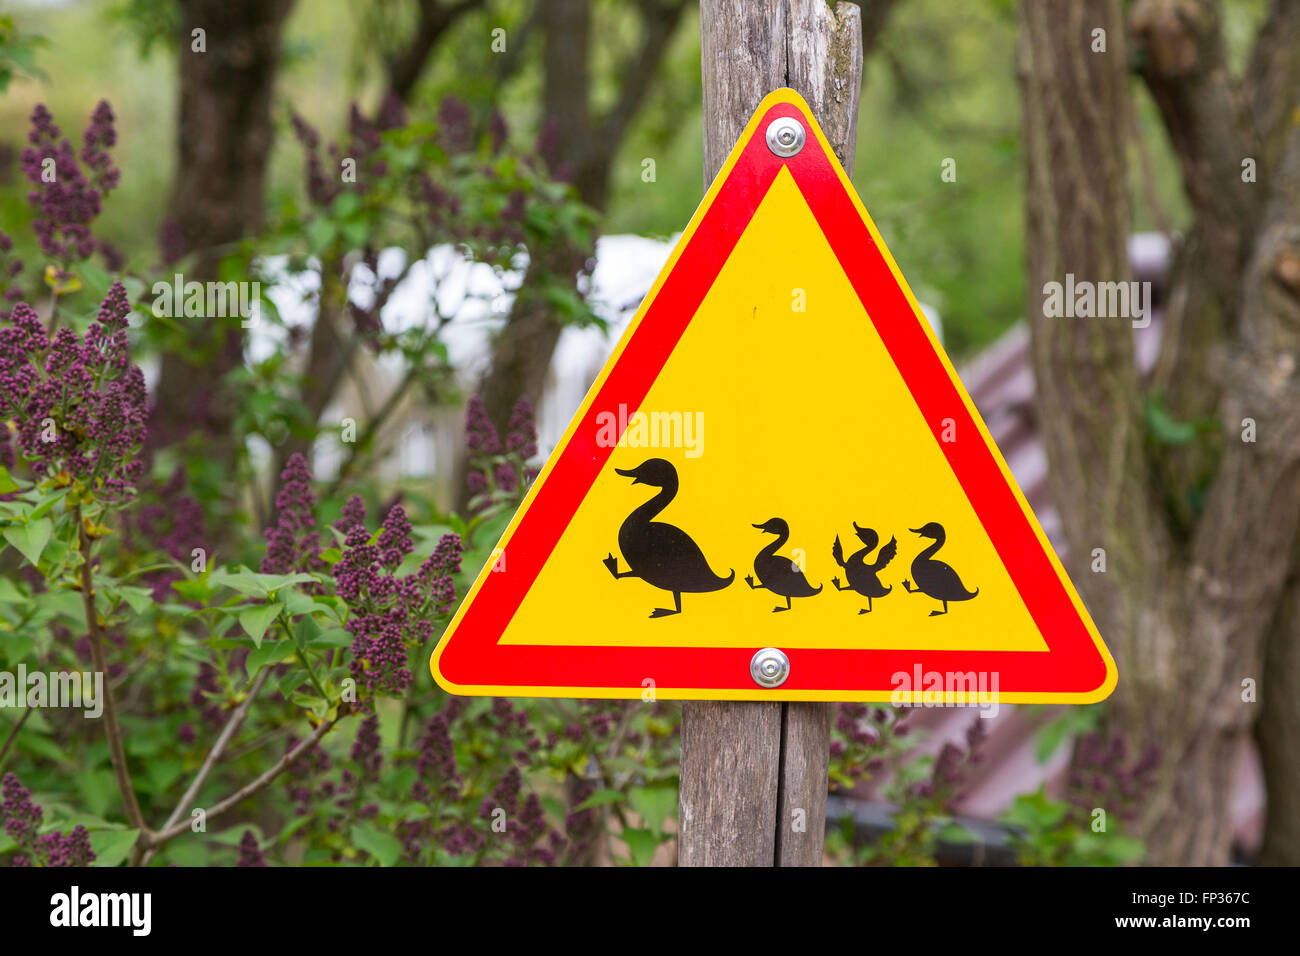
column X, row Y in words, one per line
column 753, row 775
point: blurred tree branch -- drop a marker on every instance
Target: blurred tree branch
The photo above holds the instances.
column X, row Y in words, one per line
column 434, row 18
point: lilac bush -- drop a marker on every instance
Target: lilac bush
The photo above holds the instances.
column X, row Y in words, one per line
column 22, row 825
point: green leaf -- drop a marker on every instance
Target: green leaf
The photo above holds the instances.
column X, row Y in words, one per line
column 193, row 590
column 654, row 805
column 139, row 599
column 293, row 680
column 384, row 847
column 255, row 620
column 1049, row 739
column 345, row 204
column 7, row 484
column 306, row 631
column 271, row 652
column 641, row 844
column 17, row 647
column 48, row 502
column 298, row 603
column 9, row 593
column 112, row 846
column 30, row 539
column 599, row 799
column 333, row 637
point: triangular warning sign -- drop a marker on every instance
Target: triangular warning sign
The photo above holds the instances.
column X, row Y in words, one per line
column 777, row 488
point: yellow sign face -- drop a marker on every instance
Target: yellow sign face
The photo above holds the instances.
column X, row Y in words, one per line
column 777, row 455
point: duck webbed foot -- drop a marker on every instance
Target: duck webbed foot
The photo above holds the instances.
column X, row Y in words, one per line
column 664, row 612
column 749, row 579
column 944, row 611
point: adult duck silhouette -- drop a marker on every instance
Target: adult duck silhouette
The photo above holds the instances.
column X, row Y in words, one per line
column 935, row 578
column 660, row 554
column 778, row 574
column 861, row 576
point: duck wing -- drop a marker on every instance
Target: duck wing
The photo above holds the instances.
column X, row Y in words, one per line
column 942, row 582
column 887, row 554
column 673, row 561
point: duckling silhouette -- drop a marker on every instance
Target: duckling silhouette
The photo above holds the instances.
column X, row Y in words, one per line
column 778, row 574
column 861, row 577
column 660, row 554
column 935, row 578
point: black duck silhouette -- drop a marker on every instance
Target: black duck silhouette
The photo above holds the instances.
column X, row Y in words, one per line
column 862, row 577
column 778, row 574
column 660, row 554
column 935, row 578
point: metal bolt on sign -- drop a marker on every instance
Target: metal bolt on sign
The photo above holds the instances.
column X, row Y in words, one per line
column 769, row 667
column 785, row 136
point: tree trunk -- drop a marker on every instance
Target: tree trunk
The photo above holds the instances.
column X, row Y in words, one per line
column 579, row 149
column 224, row 135
column 1184, row 613
column 1279, row 727
column 753, row 789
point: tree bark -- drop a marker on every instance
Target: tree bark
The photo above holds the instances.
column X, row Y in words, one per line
column 754, row 783
column 224, row 135
column 1184, row 613
column 1279, row 725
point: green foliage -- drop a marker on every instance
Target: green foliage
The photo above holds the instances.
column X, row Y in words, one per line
column 1046, row 832
column 18, row 53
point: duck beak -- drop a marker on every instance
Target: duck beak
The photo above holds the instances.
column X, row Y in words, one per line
column 917, row 531
column 761, row 527
column 636, row 479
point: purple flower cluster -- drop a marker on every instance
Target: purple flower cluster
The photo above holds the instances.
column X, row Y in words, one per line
column 366, row 138
column 950, row 768
column 510, row 826
column 250, row 852
column 862, row 740
column 66, row 197
column 1101, row 775
column 366, row 749
column 204, row 696
column 9, row 271
column 311, row 763
column 497, row 474
column 79, row 404
column 390, row 613
column 293, row 544
column 524, row 823
column 22, row 821
column 437, row 776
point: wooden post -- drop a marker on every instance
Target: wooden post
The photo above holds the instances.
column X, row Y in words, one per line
column 753, row 780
